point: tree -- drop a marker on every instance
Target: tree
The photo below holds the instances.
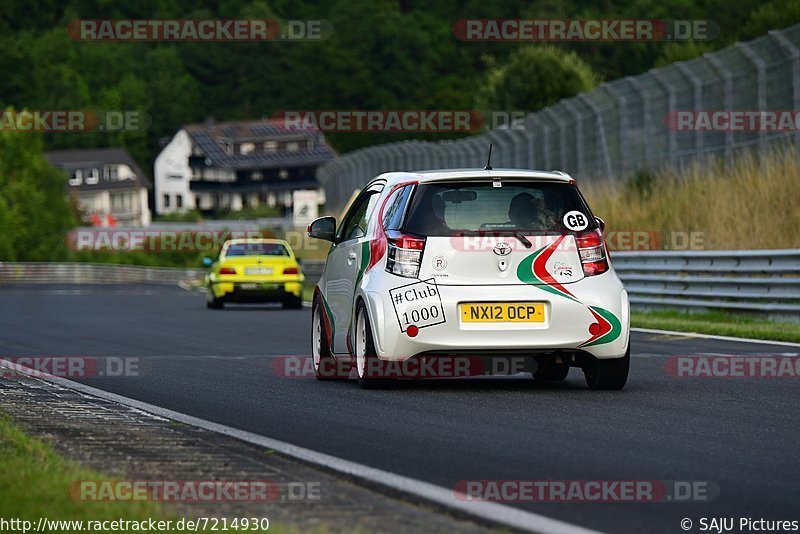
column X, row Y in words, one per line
column 535, row 77
column 35, row 212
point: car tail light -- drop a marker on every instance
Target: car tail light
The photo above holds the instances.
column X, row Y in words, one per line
column 291, row 270
column 592, row 251
column 404, row 253
column 227, row 270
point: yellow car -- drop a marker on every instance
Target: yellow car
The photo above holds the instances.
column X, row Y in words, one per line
column 254, row 270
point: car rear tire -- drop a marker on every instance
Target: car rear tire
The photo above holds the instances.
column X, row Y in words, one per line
column 325, row 364
column 213, row 302
column 552, row 372
column 293, row 303
column 371, row 369
column 608, row 374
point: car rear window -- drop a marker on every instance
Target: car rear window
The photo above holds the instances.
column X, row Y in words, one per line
column 442, row 209
column 257, row 249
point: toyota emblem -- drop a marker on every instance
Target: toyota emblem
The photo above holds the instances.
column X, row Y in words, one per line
column 502, row 249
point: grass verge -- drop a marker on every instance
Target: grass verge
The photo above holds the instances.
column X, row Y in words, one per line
column 34, row 482
column 717, row 323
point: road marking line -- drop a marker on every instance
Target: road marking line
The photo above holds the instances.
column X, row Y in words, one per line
column 711, row 336
column 488, row 511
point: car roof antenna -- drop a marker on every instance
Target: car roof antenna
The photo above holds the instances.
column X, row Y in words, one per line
column 489, row 160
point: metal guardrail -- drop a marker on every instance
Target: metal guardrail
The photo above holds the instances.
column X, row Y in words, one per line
column 758, row 281
column 763, row 281
column 92, row 273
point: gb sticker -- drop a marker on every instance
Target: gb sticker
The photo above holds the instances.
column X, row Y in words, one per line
column 576, row 221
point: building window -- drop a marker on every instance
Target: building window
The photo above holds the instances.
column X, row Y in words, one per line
column 256, row 175
column 178, row 201
column 166, row 200
column 111, row 172
column 93, row 176
column 246, row 148
column 121, row 202
column 292, row 146
column 283, row 174
column 270, row 146
column 77, row 177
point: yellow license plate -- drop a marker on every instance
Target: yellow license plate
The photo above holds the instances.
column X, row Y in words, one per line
column 502, row 312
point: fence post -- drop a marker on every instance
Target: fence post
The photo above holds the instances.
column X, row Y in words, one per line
column 719, row 67
column 794, row 53
column 622, row 112
column 569, row 105
column 761, row 68
column 658, row 75
column 697, row 99
column 601, row 133
column 648, row 118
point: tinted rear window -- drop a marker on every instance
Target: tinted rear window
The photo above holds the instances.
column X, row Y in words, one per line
column 451, row 208
column 257, row 249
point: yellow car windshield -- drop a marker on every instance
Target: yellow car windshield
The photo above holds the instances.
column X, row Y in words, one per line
column 257, row 249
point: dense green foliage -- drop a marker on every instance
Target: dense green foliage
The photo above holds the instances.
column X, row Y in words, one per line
column 34, row 211
column 535, row 77
column 381, row 55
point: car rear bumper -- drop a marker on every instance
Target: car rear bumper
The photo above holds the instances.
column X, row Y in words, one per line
column 256, row 291
column 565, row 328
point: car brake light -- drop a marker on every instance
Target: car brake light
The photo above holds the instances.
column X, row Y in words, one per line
column 227, row 270
column 592, row 251
column 404, row 253
column 291, row 270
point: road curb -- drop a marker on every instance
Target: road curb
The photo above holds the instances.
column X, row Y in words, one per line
column 419, row 491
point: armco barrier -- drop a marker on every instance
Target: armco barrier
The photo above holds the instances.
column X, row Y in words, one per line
column 92, row 273
column 759, row 281
column 763, row 281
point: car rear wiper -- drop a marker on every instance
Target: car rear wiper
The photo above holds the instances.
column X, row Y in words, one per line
column 524, row 240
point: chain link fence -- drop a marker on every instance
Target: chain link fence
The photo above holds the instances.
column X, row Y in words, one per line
column 616, row 129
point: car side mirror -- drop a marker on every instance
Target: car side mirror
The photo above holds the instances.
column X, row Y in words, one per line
column 207, row 261
column 323, row 228
column 601, row 223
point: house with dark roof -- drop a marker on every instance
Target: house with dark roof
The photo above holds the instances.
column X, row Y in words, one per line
column 233, row 165
column 107, row 183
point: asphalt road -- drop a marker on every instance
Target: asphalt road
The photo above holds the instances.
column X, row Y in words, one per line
column 737, row 435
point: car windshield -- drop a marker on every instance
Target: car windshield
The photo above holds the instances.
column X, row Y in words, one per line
column 256, row 249
column 445, row 209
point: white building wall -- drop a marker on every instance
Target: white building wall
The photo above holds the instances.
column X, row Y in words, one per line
column 172, row 174
column 144, row 208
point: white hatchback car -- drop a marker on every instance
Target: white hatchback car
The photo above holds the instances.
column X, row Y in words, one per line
column 469, row 272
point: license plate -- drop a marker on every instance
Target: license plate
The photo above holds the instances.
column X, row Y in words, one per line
column 258, row 270
column 249, row 286
column 502, row 312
